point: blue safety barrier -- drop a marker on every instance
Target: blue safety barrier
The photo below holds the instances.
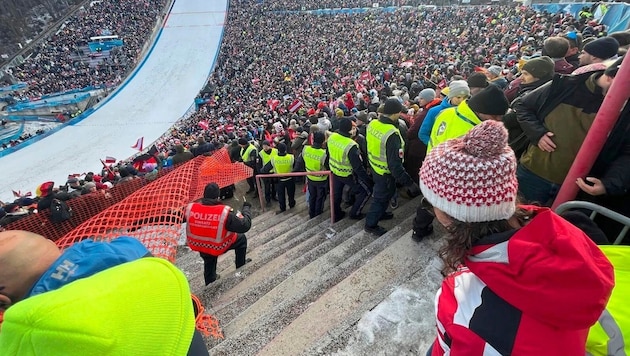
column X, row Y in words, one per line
column 31, row 118
column 11, row 132
column 13, row 87
column 101, row 46
column 49, row 102
column 616, row 17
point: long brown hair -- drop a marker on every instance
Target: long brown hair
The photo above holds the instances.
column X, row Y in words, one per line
column 463, row 235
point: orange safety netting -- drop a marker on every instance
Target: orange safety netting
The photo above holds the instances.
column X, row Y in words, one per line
column 154, row 213
column 83, row 208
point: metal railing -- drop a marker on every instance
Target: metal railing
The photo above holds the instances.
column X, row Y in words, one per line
column 331, row 194
column 598, row 209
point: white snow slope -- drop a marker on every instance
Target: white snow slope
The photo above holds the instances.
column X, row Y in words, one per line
column 159, row 93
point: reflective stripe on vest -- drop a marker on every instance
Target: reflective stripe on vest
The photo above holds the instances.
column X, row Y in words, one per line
column 282, row 164
column 247, row 152
column 266, row 157
column 606, row 337
column 452, row 123
column 205, row 228
column 314, row 160
column 377, row 135
column 338, row 148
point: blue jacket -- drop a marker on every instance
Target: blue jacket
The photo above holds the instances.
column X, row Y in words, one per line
column 424, row 134
column 86, row 258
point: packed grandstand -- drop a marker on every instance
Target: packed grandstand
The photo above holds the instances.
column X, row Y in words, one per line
column 342, row 63
column 288, row 71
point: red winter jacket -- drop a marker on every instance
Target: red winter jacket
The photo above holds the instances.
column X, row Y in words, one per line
column 531, row 291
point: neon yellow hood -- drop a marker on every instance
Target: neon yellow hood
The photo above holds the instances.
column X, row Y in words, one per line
column 141, row 307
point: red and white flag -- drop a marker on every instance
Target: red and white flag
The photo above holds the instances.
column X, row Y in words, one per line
column 406, row 64
column 514, row 47
column 273, row 103
column 139, row 144
column 295, row 105
column 19, row 194
column 204, row 125
column 358, row 86
column 367, row 76
column 110, row 160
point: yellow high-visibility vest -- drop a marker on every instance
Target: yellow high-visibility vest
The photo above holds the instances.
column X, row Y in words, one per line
column 314, row 160
column 338, row 148
column 376, row 135
column 611, row 334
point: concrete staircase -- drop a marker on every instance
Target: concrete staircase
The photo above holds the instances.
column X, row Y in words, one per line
column 314, row 288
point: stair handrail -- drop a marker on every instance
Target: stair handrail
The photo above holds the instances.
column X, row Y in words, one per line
column 598, row 209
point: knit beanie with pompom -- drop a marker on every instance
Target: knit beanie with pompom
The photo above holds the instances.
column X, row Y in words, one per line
column 472, row 178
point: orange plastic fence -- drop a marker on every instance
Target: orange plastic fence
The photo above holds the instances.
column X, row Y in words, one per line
column 154, row 213
column 83, row 207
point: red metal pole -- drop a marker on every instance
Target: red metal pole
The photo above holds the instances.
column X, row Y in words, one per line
column 331, row 193
column 605, row 120
column 260, row 193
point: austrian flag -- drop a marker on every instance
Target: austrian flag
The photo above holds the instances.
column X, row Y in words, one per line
column 295, row 105
column 204, row 125
column 139, row 144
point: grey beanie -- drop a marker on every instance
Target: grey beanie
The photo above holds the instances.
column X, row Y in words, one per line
column 458, row 88
column 427, row 94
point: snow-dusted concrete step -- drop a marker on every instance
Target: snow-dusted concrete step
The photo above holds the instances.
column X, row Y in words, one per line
column 277, row 308
column 355, row 294
column 268, row 259
column 227, row 304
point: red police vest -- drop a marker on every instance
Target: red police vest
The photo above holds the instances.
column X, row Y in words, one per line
column 205, row 230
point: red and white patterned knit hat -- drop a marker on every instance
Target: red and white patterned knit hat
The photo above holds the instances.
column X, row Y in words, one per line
column 472, row 178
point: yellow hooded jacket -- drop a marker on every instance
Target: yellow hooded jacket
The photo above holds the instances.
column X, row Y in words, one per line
column 141, row 307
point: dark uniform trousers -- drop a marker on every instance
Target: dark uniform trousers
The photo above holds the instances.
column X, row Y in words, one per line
column 384, row 190
column 361, row 194
column 210, row 262
column 251, row 181
column 316, row 197
column 270, row 189
column 285, row 185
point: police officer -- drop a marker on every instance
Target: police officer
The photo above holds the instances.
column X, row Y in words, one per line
column 347, row 168
column 213, row 228
column 315, row 158
column 249, row 156
column 385, row 155
column 268, row 183
column 283, row 163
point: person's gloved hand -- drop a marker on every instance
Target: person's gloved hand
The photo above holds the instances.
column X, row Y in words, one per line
column 247, row 205
column 413, row 190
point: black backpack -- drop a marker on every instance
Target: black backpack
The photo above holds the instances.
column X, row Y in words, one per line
column 59, row 211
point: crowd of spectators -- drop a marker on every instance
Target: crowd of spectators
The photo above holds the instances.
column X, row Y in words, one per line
column 62, row 62
column 289, row 5
column 318, row 58
column 331, row 66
